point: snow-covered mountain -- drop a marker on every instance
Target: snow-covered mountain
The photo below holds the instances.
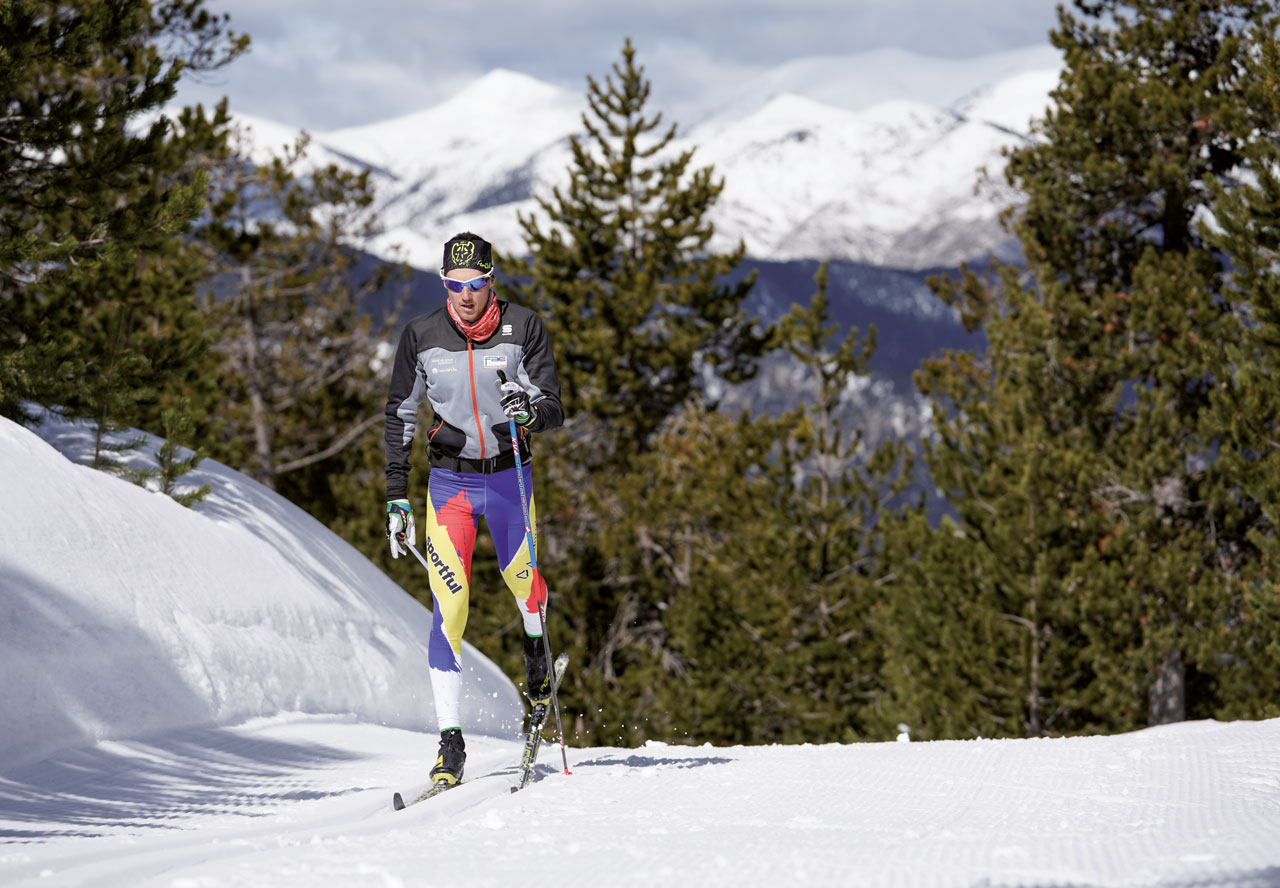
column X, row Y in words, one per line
column 857, row 81
column 870, row 158
column 228, row 696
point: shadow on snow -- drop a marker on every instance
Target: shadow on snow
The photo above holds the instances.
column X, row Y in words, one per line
column 144, row 784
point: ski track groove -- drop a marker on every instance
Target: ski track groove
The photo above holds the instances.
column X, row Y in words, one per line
column 311, row 802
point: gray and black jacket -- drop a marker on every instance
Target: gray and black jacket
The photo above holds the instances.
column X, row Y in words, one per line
column 469, row 431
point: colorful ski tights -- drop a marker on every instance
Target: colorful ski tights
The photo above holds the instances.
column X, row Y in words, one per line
column 455, row 502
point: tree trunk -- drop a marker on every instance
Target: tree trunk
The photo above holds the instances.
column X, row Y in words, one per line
column 1168, row 696
column 1033, row 693
column 264, row 462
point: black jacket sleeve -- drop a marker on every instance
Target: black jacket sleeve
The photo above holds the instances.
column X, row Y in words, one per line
column 405, row 395
column 540, row 364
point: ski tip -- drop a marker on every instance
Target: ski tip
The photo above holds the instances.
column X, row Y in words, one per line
column 397, row 802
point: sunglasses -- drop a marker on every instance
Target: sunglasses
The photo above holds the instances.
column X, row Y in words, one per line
column 475, row 285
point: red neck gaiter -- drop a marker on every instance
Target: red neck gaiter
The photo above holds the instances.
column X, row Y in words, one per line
column 484, row 326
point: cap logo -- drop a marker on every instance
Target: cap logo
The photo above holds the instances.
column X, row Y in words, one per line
column 466, row 250
column 463, row 252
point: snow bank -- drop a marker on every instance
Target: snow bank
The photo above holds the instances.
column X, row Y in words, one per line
column 123, row 613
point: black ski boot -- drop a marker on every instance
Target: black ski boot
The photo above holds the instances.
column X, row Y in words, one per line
column 453, row 755
column 537, row 683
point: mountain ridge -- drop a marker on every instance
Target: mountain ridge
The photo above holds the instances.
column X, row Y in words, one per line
column 889, row 176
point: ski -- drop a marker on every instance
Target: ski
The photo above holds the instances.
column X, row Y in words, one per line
column 538, row 718
column 398, row 802
column 528, row 757
column 430, row 792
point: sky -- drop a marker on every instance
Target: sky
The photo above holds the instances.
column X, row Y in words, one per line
column 326, row 64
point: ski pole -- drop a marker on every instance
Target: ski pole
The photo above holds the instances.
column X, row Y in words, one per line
column 416, row 553
column 531, row 542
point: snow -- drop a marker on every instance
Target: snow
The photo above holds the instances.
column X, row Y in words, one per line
column 265, row 139
column 867, row 157
column 228, row 696
column 861, row 80
column 1013, row 102
column 496, row 122
column 447, row 168
column 124, row 613
column 896, row 157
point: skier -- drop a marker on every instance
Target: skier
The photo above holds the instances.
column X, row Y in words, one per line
column 452, row 357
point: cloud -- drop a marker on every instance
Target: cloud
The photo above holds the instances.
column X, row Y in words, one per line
column 323, row 64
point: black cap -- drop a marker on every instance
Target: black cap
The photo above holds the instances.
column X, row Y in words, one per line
column 467, row 250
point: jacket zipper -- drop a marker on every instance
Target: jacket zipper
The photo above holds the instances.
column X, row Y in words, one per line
column 475, row 407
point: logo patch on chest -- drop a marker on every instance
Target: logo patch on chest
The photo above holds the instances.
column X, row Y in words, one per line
column 495, row 361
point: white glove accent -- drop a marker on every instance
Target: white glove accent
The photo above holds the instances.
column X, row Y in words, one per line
column 400, row 529
column 515, row 402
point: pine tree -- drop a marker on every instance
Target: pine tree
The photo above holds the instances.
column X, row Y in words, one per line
column 139, row 337
column 828, row 491
column 296, row 355
column 743, row 546
column 1150, row 107
column 1077, row 454
column 683, row 649
column 86, row 200
column 638, row 310
column 170, row 461
column 1246, row 398
column 979, row 618
column 633, row 300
